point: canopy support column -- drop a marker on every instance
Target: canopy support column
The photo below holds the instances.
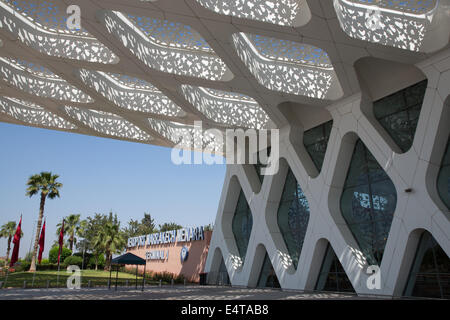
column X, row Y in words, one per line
column 143, row 277
column 117, row 274
column 109, row 282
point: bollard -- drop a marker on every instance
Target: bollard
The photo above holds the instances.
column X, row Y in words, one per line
column 160, row 284
column 185, row 282
column 48, row 284
column 89, row 283
column 171, row 282
column 1, row 284
column 126, row 283
column 24, row 284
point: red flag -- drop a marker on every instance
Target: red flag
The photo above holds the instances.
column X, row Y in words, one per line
column 16, row 241
column 41, row 243
column 61, row 240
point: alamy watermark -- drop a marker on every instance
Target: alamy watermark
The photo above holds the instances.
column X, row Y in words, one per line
column 74, row 280
column 374, row 280
column 234, row 146
column 74, row 19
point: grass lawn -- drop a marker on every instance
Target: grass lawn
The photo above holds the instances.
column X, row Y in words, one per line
column 97, row 278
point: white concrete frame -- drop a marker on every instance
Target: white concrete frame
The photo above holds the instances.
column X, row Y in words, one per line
column 419, row 210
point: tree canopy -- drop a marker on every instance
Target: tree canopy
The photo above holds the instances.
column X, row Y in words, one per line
column 168, row 226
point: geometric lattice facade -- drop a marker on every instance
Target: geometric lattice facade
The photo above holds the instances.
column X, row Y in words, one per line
column 293, row 217
column 267, row 276
column 146, row 71
column 430, row 272
column 242, row 225
column 417, row 176
column 332, row 276
column 399, row 113
column 368, row 203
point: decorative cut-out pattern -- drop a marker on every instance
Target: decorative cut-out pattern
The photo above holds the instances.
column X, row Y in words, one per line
column 107, row 123
column 171, row 34
column 283, row 13
column 42, row 84
column 46, row 15
column 307, row 73
column 289, row 51
column 400, row 24
column 227, row 107
column 138, row 96
column 188, row 137
column 34, row 69
column 46, row 34
column 403, row 6
column 31, row 113
column 170, row 59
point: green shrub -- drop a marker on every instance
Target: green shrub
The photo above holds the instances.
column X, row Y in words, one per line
column 47, row 267
column 155, row 276
column 73, row 260
column 22, row 265
column 101, row 262
column 179, row 279
column 87, row 257
column 53, row 254
column 45, row 262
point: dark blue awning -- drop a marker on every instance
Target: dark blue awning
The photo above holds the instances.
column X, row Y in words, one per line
column 128, row 258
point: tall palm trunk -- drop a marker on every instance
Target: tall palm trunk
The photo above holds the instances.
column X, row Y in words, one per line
column 108, row 259
column 71, row 242
column 38, row 230
column 8, row 250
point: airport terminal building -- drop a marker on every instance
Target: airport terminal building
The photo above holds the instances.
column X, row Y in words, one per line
column 179, row 252
column 357, row 91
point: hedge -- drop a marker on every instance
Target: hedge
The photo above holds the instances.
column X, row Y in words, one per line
column 53, row 254
column 73, row 260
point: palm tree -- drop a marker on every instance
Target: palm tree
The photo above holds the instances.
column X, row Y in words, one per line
column 71, row 227
column 110, row 239
column 7, row 231
column 46, row 184
column 89, row 231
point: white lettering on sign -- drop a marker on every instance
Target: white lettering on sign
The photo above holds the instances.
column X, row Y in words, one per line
column 157, row 255
column 180, row 235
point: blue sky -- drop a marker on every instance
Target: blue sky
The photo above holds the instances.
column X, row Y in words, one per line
column 100, row 175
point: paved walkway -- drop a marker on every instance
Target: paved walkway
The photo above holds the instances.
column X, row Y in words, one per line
column 169, row 293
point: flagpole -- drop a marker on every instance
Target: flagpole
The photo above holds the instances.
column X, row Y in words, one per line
column 34, row 273
column 9, row 266
column 6, row 278
column 57, row 277
column 59, row 251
